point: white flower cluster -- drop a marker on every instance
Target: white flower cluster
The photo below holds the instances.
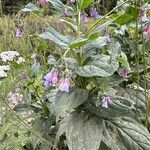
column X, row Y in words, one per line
column 8, row 55
column 20, row 60
column 3, row 70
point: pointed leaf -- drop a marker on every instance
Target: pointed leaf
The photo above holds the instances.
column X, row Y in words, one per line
column 56, row 37
column 62, row 103
column 98, row 67
column 82, row 132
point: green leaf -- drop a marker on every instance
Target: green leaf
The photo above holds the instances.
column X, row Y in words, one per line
column 100, row 66
column 126, row 133
column 124, row 60
column 86, row 3
column 114, row 49
column 62, row 103
column 132, row 11
column 59, row 6
column 82, row 132
column 95, row 44
column 30, row 7
column 26, row 108
column 147, row 46
column 119, row 107
column 69, row 24
column 104, row 25
column 123, row 19
column 51, row 34
column 77, row 43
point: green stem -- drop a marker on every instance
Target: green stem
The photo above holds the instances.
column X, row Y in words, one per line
column 78, row 23
column 92, row 27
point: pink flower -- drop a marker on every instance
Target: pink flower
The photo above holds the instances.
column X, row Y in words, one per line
column 19, row 32
column 94, row 12
column 123, row 73
column 64, row 85
column 66, row 13
column 106, row 101
column 147, row 29
column 51, row 78
column 42, row 2
column 84, row 18
column 143, row 16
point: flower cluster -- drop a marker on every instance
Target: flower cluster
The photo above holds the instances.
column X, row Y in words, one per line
column 144, row 19
column 52, row 78
column 42, row 2
column 3, row 70
column 8, row 55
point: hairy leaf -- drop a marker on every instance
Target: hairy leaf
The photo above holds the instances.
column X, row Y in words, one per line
column 82, row 132
column 62, row 103
column 98, row 43
column 51, row 34
column 100, row 66
column 30, row 7
column 129, row 133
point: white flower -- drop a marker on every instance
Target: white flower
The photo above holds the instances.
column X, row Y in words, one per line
column 20, row 60
column 8, row 55
column 3, row 70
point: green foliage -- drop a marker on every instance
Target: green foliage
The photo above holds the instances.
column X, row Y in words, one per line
column 96, row 99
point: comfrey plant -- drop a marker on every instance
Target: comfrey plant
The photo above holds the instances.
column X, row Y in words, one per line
column 93, row 88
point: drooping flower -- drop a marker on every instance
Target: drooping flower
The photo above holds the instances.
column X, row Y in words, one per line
column 66, row 13
column 42, row 2
column 84, row 17
column 51, row 78
column 147, row 29
column 64, row 85
column 108, row 37
column 123, row 73
column 106, row 101
column 143, row 15
column 94, row 12
column 19, row 32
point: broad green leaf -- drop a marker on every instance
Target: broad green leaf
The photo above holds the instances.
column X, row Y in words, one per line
column 123, row 19
column 132, row 11
column 30, row 7
column 139, row 107
column 104, row 25
column 86, row 3
column 95, row 44
column 59, row 6
column 69, row 24
column 93, row 36
column 51, row 34
column 114, row 49
column 62, row 103
column 119, row 107
column 82, row 132
column 129, row 133
column 77, row 43
column 101, row 66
